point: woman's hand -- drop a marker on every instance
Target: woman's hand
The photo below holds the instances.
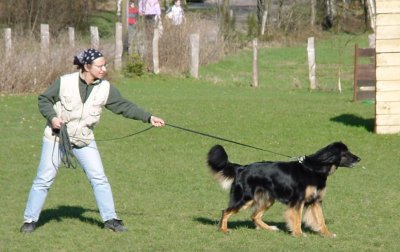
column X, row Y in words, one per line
column 56, row 123
column 157, row 122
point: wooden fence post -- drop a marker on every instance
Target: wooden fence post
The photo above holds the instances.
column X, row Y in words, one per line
column 156, row 63
column 8, row 42
column 311, row 63
column 195, row 50
column 371, row 40
column 372, row 14
column 118, row 46
column 94, row 37
column 264, row 22
column 71, row 36
column 45, row 42
column 255, row 63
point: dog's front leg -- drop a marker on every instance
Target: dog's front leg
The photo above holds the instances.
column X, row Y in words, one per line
column 314, row 218
column 293, row 219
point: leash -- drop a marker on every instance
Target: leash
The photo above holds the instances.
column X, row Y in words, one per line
column 126, row 136
column 226, row 140
column 68, row 158
column 64, row 142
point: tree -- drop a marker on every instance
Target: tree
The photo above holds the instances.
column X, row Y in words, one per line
column 27, row 15
column 330, row 12
column 313, row 12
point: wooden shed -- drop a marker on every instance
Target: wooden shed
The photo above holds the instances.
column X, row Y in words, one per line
column 387, row 110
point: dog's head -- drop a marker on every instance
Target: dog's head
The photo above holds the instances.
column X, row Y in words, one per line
column 329, row 158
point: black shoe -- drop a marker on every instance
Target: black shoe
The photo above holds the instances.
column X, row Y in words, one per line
column 28, row 227
column 115, row 225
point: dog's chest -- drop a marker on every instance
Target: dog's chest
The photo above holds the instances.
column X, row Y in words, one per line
column 313, row 194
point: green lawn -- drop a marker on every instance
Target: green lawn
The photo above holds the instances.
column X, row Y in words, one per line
column 162, row 187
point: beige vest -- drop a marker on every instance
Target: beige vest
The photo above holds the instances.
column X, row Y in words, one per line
column 80, row 118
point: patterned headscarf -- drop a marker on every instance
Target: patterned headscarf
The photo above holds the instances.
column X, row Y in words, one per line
column 87, row 57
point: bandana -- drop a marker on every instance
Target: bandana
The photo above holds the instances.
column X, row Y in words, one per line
column 87, row 57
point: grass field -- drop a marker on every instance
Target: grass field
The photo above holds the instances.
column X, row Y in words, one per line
column 162, row 188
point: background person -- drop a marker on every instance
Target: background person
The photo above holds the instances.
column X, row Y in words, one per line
column 73, row 103
column 132, row 29
column 151, row 12
column 150, row 9
column 176, row 13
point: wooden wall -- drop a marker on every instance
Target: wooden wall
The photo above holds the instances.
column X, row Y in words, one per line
column 387, row 110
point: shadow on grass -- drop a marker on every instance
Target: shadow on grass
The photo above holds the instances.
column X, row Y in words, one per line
column 240, row 224
column 355, row 121
column 67, row 212
column 250, row 225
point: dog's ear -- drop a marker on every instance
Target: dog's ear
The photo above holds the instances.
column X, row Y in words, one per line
column 322, row 161
column 330, row 154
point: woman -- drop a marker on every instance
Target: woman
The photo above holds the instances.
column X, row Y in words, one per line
column 72, row 105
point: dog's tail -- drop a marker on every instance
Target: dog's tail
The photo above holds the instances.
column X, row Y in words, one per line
column 223, row 170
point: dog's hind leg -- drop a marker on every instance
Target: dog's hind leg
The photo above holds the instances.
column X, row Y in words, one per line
column 223, row 223
column 227, row 213
column 314, row 218
column 258, row 213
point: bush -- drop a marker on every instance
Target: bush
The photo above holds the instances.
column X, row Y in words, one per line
column 134, row 66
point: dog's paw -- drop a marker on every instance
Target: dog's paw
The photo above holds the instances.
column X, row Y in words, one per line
column 298, row 234
column 330, row 235
column 274, row 228
column 267, row 227
column 223, row 230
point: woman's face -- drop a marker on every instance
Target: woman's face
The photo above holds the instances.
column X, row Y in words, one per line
column 98, row 68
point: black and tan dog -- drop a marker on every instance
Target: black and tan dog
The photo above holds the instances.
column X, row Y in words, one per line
column 298, row 184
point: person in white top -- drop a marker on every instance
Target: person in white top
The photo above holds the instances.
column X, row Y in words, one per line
column 176, row 14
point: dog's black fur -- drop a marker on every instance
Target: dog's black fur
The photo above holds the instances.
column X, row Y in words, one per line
column 298, row 184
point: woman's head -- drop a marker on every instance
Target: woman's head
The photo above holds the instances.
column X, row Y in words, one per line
column 91, row 61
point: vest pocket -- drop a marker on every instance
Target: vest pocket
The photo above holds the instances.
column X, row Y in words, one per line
column 94, row 116
column 67, row 103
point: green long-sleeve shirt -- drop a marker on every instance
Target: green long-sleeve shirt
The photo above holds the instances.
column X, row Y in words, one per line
column 115, row 102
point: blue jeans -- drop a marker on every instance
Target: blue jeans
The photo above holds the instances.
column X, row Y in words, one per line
column 90, row 161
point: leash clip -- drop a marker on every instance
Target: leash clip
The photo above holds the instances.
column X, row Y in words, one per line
column 301, row 159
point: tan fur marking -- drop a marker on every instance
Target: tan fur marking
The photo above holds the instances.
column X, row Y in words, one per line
column 311, row 192
column 333, row 169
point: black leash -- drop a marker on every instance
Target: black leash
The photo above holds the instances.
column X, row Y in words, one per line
column 68, row 159
column 126, row 136
column 226, row 140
